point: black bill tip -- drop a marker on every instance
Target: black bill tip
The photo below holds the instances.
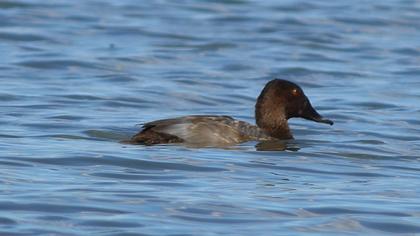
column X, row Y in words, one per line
column 326, row 121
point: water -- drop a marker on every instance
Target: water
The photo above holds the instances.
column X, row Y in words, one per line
column 77, row 76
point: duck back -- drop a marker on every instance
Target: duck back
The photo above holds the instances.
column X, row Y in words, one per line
column 198, row 130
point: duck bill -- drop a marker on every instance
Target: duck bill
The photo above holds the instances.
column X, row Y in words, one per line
column 310, row 113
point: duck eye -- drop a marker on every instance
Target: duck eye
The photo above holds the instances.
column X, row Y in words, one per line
column 295, row 92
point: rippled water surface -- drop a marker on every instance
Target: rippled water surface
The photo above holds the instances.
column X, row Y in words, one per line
column 77, row 76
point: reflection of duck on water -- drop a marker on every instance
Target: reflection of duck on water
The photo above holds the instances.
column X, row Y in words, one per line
column 279, row 101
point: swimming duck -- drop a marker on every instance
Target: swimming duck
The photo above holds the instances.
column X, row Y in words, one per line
column 279, row 101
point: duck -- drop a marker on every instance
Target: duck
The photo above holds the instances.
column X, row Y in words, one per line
column 279, row 101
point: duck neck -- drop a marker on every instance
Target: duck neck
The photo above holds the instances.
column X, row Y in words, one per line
column 272, row 123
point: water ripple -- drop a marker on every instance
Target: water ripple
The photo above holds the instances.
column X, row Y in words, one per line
column 122, row 162
column 56, row 208
column 22, row 37
column 59, row 64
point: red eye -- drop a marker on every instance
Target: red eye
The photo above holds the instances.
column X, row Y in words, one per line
column 295, row 92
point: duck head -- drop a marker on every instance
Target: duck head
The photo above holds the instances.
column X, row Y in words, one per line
column 279, row 101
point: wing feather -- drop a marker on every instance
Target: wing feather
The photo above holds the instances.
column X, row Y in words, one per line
column 200, row 130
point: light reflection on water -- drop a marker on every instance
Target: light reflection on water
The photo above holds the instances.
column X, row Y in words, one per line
column 78, row 76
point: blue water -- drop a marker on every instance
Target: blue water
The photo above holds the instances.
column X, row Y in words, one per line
column 77, row 76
